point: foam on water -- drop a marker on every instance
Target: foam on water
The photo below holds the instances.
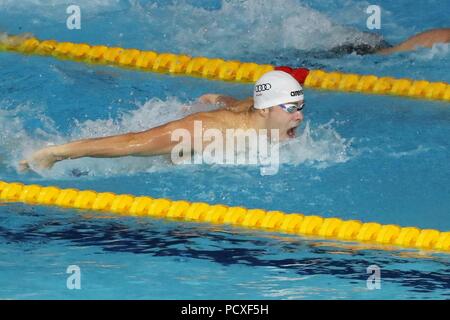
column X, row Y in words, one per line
column 439, row 51
column 251, row 25
column 256, row 25
column 320, row 145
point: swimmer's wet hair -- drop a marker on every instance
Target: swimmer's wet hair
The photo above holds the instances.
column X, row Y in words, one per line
column 360, row 49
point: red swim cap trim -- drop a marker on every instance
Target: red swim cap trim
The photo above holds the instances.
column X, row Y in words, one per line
column 299, row 74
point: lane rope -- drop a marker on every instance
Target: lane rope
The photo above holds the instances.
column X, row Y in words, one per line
column 274, row 221
column 219, row 69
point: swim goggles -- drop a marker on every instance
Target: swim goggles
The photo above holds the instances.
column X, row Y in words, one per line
column 292, row 107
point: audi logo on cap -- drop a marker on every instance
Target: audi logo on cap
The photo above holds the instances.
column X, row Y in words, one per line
column 262, row 87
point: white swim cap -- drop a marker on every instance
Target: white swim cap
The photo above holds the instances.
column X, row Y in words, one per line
column 274, row 88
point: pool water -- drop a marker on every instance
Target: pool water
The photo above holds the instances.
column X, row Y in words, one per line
column 371, row 158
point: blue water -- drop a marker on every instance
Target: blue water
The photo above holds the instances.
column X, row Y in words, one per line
column 372, row 158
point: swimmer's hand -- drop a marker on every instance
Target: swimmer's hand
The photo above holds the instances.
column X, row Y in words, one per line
column 41, row 159
column 219, row 100
column 209, row 98
column 14, row 41
column 226, row 102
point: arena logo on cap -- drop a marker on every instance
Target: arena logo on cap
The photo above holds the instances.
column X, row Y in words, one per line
column 296, row 93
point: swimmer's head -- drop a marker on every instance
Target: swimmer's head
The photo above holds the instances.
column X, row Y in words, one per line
column 280, row 99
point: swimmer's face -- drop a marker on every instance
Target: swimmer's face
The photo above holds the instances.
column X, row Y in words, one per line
column 287, row 123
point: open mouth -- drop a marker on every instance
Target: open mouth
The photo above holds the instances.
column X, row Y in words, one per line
column 291, row 132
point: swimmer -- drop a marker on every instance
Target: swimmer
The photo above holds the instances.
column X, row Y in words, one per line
column 424, row 39
column 277, row 103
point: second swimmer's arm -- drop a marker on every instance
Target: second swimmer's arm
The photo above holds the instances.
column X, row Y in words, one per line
column 423, row 39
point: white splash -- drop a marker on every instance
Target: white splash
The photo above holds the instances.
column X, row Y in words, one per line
column 438, row 51
column 320, row 146
column 256, row 25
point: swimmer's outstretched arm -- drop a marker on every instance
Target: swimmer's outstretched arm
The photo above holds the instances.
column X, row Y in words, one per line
column 155, row 141
column 423, row 39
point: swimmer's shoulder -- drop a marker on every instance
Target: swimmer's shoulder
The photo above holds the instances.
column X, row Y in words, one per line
column 220, row 118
